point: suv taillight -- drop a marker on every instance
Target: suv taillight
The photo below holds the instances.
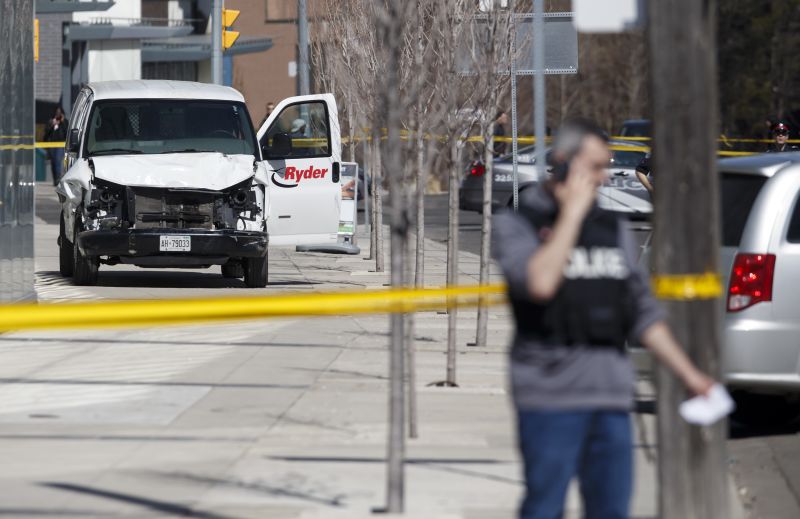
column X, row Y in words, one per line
column 477, row 169
column 751, row 280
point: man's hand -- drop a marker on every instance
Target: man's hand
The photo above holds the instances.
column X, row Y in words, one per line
column 698, row 382
column 576, row 194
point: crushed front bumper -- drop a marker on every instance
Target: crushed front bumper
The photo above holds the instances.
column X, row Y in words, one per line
column 145, row 242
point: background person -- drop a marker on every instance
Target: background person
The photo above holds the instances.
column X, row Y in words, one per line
column 780, row 134
column 645, row 175
column 269, row 109
column 500, row 122
column 298, row 129
column 56, row 131
column 577, row 295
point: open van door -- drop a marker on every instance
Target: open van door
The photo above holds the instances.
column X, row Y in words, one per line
column 301, row 149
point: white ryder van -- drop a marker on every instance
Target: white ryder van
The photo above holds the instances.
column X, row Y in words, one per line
column 172, row 174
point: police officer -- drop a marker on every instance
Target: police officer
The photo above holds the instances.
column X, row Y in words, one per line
column 645, row 174
column 577, row 295
column 780, row 132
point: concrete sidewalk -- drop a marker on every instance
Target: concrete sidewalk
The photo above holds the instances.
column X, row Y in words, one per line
column 276, row 418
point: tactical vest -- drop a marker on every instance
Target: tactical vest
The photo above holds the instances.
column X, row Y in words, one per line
column 593, row 305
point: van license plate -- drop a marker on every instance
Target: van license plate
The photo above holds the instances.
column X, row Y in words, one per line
column 175, row 244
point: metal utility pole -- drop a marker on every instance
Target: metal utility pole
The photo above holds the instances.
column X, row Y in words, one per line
column 302, row 43
column 216, row 42
column 539, row 98
column 692, row 466
column 514, row 158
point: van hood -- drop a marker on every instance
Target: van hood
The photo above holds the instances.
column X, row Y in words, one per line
column 214, row 171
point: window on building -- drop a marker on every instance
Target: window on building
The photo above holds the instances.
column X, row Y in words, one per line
column 174, row 70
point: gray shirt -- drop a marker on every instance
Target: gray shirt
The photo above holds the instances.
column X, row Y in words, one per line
column 567, row 377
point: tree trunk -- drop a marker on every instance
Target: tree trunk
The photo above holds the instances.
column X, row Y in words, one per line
column 486, row 228
column 399, row 223
column 692, row 461
column 369, row 160
column 350, row 130
column 421, row 173
column 452, row 258
column 377, row 201
column 422, row 178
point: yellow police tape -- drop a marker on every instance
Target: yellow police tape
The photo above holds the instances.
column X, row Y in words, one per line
column 310, row 143
column 687, row 287
column 127, row 314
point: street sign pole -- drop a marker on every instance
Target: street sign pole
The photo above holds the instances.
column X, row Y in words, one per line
column 302, row 37
column 216, row 42
column 514, row 130
column 540, row 105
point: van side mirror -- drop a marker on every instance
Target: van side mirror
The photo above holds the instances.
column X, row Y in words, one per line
column 281, row 146
column 73, row 141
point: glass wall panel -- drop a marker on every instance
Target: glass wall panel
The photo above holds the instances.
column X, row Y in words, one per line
column 16, row 151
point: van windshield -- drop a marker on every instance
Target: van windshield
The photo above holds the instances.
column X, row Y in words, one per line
column 152, row 126
column 739, row 192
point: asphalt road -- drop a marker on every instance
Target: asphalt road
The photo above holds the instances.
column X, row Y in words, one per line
column 470, row 225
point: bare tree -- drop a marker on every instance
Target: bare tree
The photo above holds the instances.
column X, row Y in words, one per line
column 391, row 18
column 496, row 30
column 347, row 57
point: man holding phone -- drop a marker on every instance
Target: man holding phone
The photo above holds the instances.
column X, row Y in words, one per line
column 577, row 296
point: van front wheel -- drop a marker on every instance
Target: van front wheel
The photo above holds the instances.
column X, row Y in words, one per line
column 65, row 251
column 85, row 267
column 255, row 272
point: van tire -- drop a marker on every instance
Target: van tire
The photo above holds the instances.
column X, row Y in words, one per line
column 66, row 263
column 85, row 267
column 255, row 272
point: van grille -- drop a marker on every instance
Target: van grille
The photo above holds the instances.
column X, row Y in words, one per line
column 173, row 209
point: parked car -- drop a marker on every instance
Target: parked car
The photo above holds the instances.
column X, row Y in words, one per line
column 172, row 174
column 636, row 128
column 623, row 192
column 760, row 259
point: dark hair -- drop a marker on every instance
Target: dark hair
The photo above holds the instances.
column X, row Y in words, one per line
column 569, row 140
column 499, row 113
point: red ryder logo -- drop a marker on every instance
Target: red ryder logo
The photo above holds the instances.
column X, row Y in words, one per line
column 296, row 175
column 292, row 173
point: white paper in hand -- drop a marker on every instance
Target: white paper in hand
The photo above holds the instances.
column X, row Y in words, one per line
column 705, row 410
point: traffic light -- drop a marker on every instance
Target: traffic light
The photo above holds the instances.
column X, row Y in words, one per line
column 228, row 37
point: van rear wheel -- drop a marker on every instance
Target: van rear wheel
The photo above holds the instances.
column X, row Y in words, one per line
column 255, row 272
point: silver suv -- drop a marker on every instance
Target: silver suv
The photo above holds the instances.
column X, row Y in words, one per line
column 760, row 259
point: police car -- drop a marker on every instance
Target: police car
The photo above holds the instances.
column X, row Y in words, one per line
column 623, row 193
column 171, row 174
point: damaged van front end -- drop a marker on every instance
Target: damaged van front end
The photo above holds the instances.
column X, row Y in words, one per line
column 152, row 202
column 155, row 221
